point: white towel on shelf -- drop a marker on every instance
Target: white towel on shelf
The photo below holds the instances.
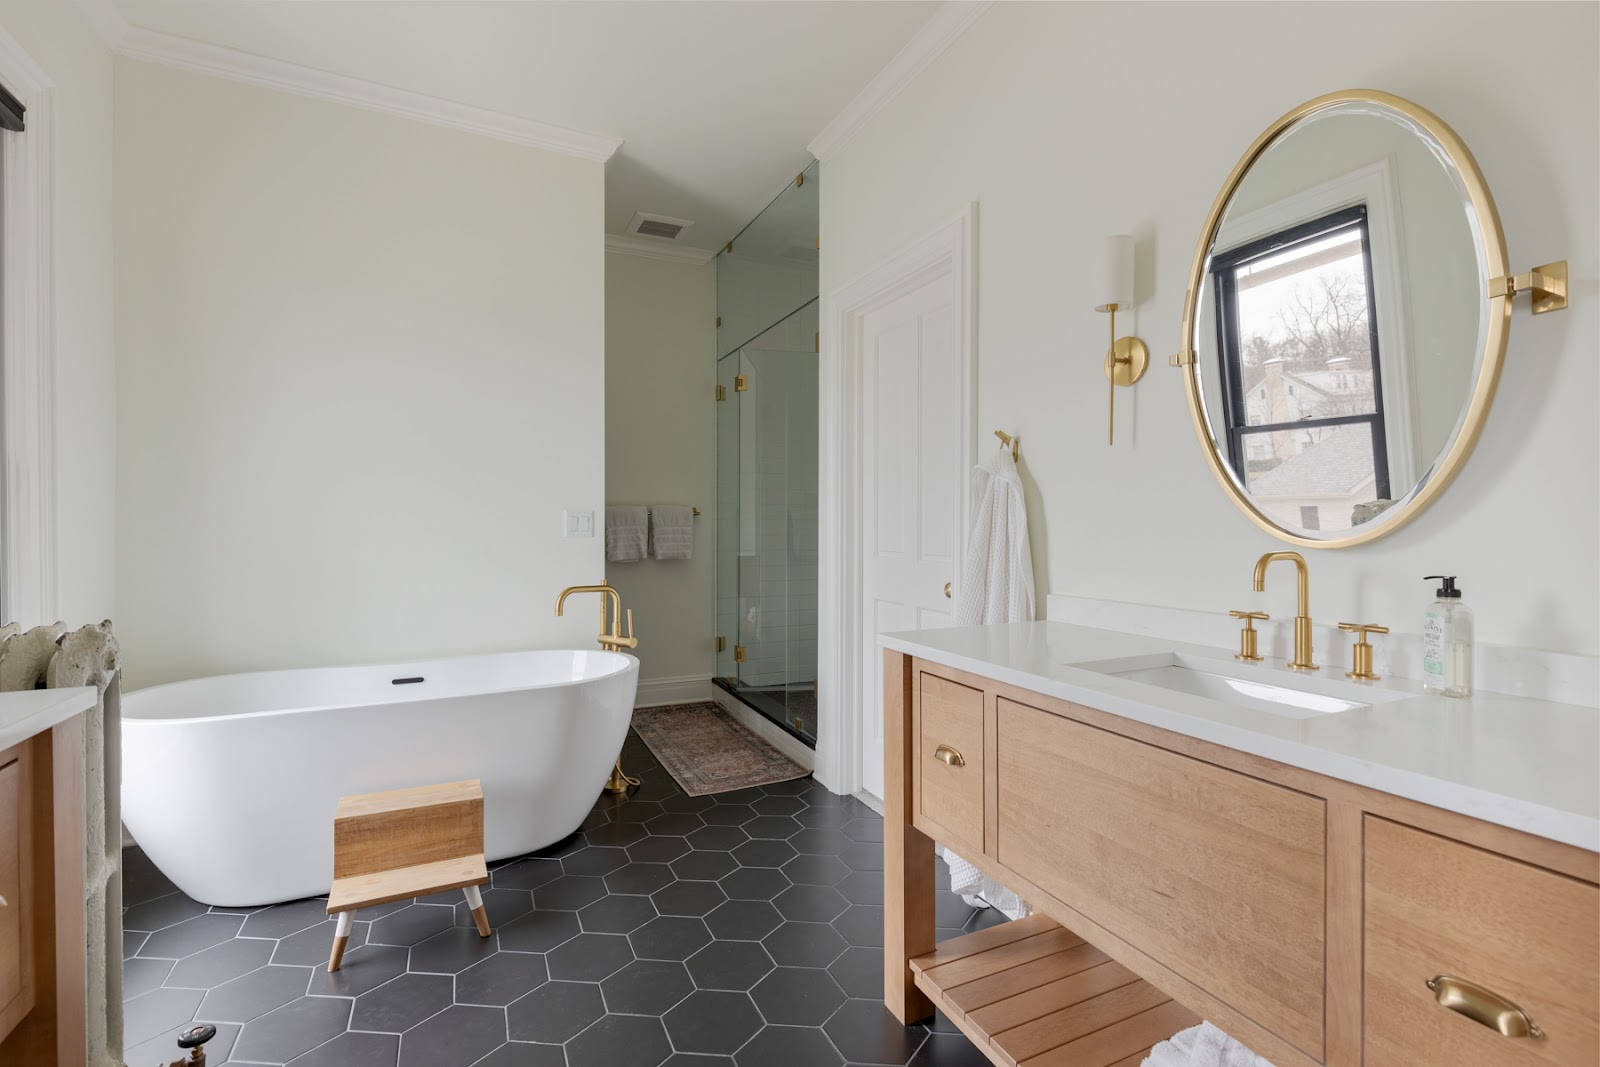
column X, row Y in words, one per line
column 671, row 531
column 626, row 531
column 996, row 586
column 1202, row 1046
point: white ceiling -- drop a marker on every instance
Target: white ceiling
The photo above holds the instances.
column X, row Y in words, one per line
column 714, row 101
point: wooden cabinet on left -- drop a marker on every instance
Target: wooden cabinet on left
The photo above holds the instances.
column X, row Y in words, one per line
column 16, row 887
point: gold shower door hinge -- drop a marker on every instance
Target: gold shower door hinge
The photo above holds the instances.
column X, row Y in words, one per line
column 719, row 321
column 722, row 644
column 722, row 392
column 741, row 382
column 738, row 653
column 816, row 342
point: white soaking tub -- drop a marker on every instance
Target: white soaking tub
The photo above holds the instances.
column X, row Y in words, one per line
column 229, row 784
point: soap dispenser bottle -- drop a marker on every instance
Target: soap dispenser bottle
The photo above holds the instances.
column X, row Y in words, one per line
column 1447, row 641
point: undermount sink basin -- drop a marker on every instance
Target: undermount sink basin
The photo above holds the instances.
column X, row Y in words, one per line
column 1244, row 685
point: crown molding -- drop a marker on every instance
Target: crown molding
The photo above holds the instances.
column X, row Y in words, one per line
column 655, row 248
column 219, row 62
column 947, row 24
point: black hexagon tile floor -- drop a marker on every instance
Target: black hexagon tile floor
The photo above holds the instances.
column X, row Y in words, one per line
column 739, row 930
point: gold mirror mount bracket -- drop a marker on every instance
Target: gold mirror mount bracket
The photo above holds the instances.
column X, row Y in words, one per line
column 1547, row 283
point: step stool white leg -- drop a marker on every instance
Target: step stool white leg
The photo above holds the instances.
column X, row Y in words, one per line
column 341, row 936
column 479, row 916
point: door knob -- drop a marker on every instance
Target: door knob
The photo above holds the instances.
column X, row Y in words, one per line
column 947, row 590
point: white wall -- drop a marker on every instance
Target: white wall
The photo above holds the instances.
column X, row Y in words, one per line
column 360, row 374
column 1036, row 114
column 57, row 38
column 660, row 449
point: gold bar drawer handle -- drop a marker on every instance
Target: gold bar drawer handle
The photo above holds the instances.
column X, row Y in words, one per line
column 1482, row 1006
column 949, row 756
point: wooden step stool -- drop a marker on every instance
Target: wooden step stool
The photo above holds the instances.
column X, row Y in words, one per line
column 406, row 843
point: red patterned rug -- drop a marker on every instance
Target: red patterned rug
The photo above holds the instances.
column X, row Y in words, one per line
column 706, row 751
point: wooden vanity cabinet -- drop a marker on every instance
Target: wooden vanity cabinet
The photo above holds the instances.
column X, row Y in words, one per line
column 16, row 888
column 1302, row 914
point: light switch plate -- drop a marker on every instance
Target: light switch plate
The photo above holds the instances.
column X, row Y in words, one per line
column 578, row 523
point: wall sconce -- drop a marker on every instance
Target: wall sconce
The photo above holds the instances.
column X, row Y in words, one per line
column 1128, row 358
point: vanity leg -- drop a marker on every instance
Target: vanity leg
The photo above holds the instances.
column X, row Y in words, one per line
column 907, row 853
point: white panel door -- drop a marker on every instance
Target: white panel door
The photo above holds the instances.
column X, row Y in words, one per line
column 911, row 469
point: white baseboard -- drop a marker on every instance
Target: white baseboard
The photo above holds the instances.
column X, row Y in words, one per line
column 766, row 729
column 689, row 689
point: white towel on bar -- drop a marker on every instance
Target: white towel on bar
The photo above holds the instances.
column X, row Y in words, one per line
column 626, row 531
column 996, row 586
column 1202, row 1046
column 671, row 531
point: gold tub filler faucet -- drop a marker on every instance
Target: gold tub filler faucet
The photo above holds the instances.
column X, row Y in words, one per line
column 1302, row 617
column 194, row 1039
column 611, row 638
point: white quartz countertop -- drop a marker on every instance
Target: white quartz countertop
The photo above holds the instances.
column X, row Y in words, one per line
column 22, row 715
column 1530, row 765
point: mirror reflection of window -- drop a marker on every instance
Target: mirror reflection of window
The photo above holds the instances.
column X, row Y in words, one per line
column 1302, row 379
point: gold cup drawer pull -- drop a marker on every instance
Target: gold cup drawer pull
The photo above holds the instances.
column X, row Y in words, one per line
column 949, row 756
column 1482, row 1006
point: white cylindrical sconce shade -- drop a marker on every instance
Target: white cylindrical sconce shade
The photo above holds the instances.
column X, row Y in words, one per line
column 1113, row 272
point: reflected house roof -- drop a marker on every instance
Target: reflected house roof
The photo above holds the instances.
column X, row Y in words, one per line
column 1332, row 466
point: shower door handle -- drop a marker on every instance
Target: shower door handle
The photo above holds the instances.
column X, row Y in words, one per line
column 947, row 590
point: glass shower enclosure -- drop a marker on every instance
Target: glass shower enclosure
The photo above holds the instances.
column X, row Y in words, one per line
column 767, row 426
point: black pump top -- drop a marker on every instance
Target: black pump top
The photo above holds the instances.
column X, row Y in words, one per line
column 1448, row 589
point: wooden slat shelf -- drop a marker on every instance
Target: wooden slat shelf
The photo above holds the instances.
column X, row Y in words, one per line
column 1031, row 993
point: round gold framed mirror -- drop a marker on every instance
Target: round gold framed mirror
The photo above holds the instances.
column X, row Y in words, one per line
column 1340, row 349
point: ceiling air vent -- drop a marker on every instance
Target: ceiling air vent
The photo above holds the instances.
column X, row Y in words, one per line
column 662, row 226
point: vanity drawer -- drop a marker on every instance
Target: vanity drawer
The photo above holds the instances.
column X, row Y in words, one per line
column 949, row 771
column 1212, row 873
column 16, row 955
column 1434, row 907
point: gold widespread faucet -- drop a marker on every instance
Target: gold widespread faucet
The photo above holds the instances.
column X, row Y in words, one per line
column 1302, row 660
column 611, row 637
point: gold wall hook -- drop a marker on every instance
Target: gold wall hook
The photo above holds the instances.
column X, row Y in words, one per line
column 1547, row 283
column 1007, row 439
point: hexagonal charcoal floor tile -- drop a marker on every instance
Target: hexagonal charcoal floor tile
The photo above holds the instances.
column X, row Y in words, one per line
column 754, row 883
column 747, row 795
column 764, row 853
column 589, row 957
column 527, row 874
column 948, row 1050
column 501, row 905
column 310, row 946
column 743, row 920
column 795, row 996
column 861, row 925
column 730, row 965
column 141, row 880
column 646, row 987
column 639, row 878
column 292, row 1030
column 615, row 1039
column 862, row 887
column 804, row 945
column 523, row 1054
column 688, row 898
column 717, row 838
column 131, row 940
column 454, row 950
column 674, row 824
column 150, row 1015
column 459, row 1034
column 595, row 860
column 164, row 1048
column 281, row 920
column 191, row 936
column 363, row 968
column 789, row 1046
column 354, row 1050
column 704, row 866
column 810, row 903
column 399, row 1005
column 616, row 914
column 565, row 847
column 864, row 829
column 778, row 805
column 160, row 913
column 539, row 931
column 555, row 1012
column 864, row 856
column 501, row 979
column 657, row 849
column 411, row 924
column 794, row 787
column 859, row 972
column 820, row 841
column 727, row 814
column 140, row 976
column 617, row 834
column 669, row 937
column 569, row 893
column 774, row 827
column 685, row 802
column 715, row 1022
column 636, row 811
column 823, row 816
column 866, row 1032
column 253, row 995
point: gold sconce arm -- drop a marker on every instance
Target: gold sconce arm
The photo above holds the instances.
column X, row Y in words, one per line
column 1125, row 363
column 1547, row 283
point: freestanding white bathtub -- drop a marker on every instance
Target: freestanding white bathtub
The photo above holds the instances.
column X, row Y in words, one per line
column 229, row 784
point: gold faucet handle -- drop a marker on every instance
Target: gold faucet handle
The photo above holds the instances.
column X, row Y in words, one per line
column 1247, row 636
column 1361, row 651
column 630, row 623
